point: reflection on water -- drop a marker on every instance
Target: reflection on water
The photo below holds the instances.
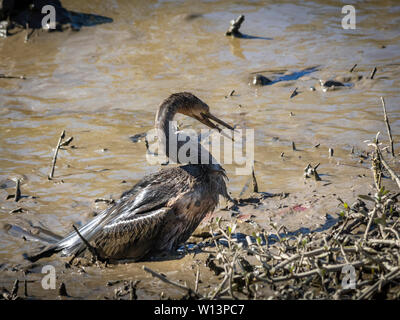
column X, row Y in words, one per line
column 104, row 84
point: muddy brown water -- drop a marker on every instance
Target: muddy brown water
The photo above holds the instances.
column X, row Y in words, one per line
column 103, row 84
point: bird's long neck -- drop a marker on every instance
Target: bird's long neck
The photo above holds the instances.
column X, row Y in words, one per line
column 165, row 114
column 169, row 144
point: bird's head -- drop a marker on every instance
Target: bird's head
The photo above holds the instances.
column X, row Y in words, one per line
column 201, row 112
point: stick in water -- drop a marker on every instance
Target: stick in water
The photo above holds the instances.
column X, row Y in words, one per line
column 92, row 249
column 352, row 69
column 373, row 73
column 255, row 184
column 55, row 155
column 234, row 28
column 17, row 195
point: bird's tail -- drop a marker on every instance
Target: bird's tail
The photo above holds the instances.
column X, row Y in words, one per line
column 28, row 231
column 72, row 244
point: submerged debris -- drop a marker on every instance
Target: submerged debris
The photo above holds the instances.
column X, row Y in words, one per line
column 230, row 94
column 353, row 67
column 255, row 184
column 260, row 80
column 5, row 76
column 311, row 171
column 17, row 191
column 294, row 93
column 372, row 75
column 330, row 85
column 62, row 290
column 138, row 137
column 235, row 26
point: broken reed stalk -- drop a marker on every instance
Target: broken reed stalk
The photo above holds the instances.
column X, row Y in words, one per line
column 92, row 249
column 14, row 291
column 294, row 93
column 4, row 76
column 67, row 142
column 352, row 69
column 196, row 286
column 132, row 289
column 25, row 288
column 53, row 164
column 17, row 195
column 255, row 184
column 372, row 75
column 387, row 126
column 235, row 26
column 28, row 33
column 62, row 290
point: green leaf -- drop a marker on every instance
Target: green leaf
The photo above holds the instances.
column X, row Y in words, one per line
column 345, row 205
column 381, row 221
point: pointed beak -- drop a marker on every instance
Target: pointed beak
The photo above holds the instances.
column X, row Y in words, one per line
column 205, row 119
column 212, row 117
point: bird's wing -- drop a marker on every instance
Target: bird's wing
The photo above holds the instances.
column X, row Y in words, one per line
column 140, row 208
column 131, row 237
